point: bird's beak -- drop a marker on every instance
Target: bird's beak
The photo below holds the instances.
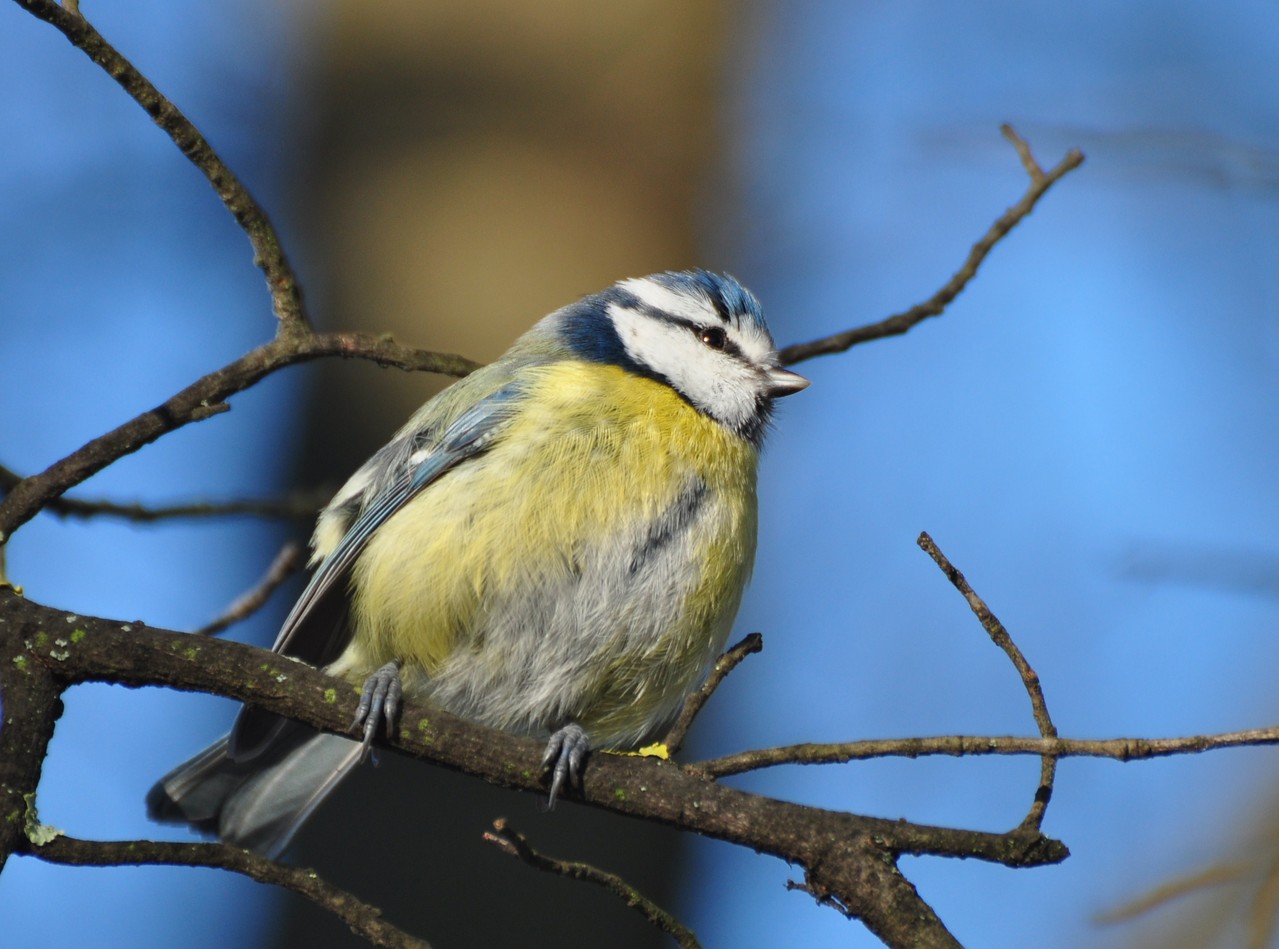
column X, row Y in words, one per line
column 784, row 382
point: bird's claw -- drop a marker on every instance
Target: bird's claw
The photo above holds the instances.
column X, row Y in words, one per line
column 565, row 752
column 379, row 703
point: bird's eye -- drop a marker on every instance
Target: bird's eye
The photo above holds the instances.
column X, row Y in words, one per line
column 714, row 337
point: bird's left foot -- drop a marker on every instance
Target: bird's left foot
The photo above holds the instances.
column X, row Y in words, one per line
column 379, row 703
column 565, row 753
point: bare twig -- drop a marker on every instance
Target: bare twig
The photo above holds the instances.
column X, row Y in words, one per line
column 1117, row 749
column 725, row 664
column 364, row 920
column 244, row 606
column 286, row 294
column 294, row 341
column 301, row 505
column 903, row 322
column 1029, row 678
column 1217, row 875
column 1262, row 910
column 514, row 843
column 1028, row 160
column 205, row 397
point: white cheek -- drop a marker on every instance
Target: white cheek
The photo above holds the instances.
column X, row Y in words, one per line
column 649, row 342
column 714, row 382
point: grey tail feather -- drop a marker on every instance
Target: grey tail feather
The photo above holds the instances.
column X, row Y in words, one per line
column 260, row 804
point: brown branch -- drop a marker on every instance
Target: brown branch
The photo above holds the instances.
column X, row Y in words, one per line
column 1029, row 678
column 207, row 396
column 1218, row 875
column 294, row 342
column 693, row 705
column 967, row 746
column 903, row 322
column 511, row 842
column 849, row 859
column 364, row 920
column 286, row 294
column 1262, row 911
column 301, row 505
column 245, row 605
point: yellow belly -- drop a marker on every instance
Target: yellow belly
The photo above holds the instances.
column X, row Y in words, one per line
column 532, row 585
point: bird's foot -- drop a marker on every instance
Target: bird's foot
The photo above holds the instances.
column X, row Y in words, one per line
column 565, row 752
column 379, row 703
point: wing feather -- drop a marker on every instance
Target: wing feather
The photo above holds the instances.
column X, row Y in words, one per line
column 316, row 629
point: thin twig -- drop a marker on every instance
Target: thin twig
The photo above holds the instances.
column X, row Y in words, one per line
column 1218, row 875
column 205, row 397
column 248, row 603
column 514, row 843
column 1029, row 678
column 1028, row 160
column 365, row 920
column 957, row 746
column 693, row 705
column 301, row 505
column 1261, row 912
column 903, row 322
column 294, row 342
column 268, row 254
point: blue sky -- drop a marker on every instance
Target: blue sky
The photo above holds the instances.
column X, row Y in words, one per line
column 1090, row 433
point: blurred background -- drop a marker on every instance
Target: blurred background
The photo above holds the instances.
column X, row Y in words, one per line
column 1091, row 432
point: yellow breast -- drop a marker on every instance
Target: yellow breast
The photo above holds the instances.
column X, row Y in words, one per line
column 573, row 487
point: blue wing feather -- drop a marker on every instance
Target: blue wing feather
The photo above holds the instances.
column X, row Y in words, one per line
column 469, row 435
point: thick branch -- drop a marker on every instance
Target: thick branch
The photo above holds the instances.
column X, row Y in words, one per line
column 850, row 859
column 32, row 699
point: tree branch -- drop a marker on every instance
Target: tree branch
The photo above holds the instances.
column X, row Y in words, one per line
column 905, row 321
column 850, row 860
column 364, row 920
column 514, row 843
column 205, row 397
column 286, row 294
column 1030, row 679
column 300, row 505
column 693, row 705
column 967, row 746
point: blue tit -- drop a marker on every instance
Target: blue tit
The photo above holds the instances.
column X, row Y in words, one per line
column 555, row 546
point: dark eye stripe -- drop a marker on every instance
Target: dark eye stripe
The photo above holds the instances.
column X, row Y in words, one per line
column 729, row 346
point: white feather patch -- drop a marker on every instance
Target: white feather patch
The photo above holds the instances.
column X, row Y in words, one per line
column 721, row 385
column 669, row 301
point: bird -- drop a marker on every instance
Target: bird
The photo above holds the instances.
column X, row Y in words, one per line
column 555, row 546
